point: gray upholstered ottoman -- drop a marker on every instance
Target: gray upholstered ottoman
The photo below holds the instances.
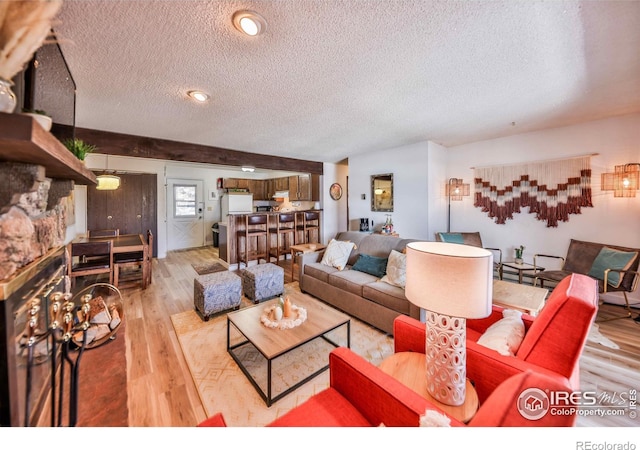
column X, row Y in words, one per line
column 216, row 292
column 263, row 281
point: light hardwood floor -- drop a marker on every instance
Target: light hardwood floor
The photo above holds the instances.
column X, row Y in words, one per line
column 161, row 390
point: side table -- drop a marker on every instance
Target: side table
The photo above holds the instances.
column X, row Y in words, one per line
column 303, row 248
column 409, row 369
column 528, row 299
column 520, row 268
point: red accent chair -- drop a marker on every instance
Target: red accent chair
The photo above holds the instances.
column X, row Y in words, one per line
column 552, row 344
column 360, row 394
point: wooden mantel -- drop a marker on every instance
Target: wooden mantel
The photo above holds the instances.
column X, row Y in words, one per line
column 23, row 140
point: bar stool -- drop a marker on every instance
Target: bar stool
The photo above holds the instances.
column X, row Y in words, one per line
column 255, row 227
column 310, row 222
column 285, row 227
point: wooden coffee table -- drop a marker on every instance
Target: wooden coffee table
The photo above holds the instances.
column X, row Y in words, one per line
column 273, row 343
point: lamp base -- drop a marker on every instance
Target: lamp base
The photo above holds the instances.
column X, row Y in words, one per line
column 446, row 358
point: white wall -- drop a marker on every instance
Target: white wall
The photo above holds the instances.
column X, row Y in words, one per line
column 410, row 165
column 334, row 215
column 611, row 220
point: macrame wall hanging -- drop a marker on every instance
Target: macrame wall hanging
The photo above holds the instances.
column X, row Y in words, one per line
column 549, row 189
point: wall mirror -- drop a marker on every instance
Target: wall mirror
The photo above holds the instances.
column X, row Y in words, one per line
column 382, row 192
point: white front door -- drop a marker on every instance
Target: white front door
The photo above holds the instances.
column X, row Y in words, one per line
column 185, row 214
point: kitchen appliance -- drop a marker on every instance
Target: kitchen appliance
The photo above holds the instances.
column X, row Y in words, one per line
column 236, row 203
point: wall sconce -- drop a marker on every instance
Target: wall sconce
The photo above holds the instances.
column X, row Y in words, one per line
column 455, row 190
column 623, row 181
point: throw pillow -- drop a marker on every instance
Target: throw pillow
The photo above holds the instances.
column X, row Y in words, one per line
column 337, row 254
column 396, row 269
column 373, row 265
column 610, row 258
column 453, row 238
column 432, row 418
column 505, row 336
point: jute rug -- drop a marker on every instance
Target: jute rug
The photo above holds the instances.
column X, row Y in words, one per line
column 224, row 388
column 203, row 269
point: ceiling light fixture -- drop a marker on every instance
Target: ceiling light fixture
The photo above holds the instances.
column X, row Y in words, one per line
column 249, row 22
column 248, row 168
column 107, row 182
column 198, row 96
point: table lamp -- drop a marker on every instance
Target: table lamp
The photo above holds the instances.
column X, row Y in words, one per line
column 452, row 282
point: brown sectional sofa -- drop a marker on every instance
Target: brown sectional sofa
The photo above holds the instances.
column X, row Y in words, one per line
column 356, row 293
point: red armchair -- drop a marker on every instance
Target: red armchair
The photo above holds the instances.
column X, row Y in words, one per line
column 360, row 394
column 552, row 344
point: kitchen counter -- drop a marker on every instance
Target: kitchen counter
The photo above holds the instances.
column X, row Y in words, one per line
column 236, row 223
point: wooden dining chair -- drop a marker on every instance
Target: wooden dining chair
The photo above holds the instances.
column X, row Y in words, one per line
column 90, row 258
column 104, row 233
column 149, row 257
column 134, row 260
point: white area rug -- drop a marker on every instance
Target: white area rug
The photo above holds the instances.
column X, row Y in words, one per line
column 224, row 388
column 596, row 336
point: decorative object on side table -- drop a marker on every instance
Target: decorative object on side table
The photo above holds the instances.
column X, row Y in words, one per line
column 283, row 315
column 519, row 251
column 452, row 283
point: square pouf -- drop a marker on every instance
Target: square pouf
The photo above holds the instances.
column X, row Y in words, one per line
column 216, row 292
column 263, row 281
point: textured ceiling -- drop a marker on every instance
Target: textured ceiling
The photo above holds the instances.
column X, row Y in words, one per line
column 333, row 78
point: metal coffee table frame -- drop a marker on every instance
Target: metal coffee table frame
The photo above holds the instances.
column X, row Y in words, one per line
column 267, row 396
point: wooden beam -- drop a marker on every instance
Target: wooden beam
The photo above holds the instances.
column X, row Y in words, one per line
column 145, row 147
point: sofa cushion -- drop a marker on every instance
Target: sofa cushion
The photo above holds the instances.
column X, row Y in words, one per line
column 373, row 265
column 453, row 238
column 396, row 269
column 356, row 237
column 351, row 280
column 337, row 254
column 610, row 258
column 319, row 271
column 389, row 296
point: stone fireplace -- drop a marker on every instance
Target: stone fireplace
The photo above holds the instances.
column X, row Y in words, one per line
column 37, row 176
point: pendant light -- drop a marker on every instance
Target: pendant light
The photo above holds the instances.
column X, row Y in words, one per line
column 107, row 182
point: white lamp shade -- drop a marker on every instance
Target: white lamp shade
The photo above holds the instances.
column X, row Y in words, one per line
column 451, row 279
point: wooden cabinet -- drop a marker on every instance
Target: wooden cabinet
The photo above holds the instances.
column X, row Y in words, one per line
column 303, row 187
column 269, row 188
column 235, row 183
column 281, row 184
column 257, row 188
column 300, row 187
column 132, row 208
column 315, row 187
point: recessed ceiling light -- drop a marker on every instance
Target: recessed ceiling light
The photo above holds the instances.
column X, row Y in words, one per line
column 248, row 168
column 249, row 22
column 198, row 96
